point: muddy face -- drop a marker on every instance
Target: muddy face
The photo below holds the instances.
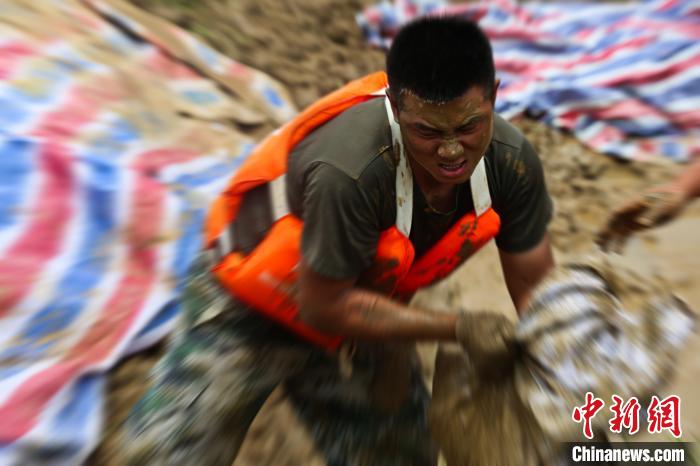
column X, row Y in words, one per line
column 445, row 141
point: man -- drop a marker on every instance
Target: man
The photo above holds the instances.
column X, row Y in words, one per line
column 655, row 207
column 309, row 287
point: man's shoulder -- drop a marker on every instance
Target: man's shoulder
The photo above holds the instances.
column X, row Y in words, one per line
column 352, row 142
column 506, row 135
column 510, row 149
column 511, row 160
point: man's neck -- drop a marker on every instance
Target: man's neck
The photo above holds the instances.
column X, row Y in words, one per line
column 440, row 196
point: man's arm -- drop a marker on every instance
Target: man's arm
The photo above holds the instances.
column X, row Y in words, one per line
column 338, row 307
column 522, row 271
column 655, row 207
column 689, row 180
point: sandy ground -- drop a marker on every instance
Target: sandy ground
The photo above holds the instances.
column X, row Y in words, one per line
column 313, row 46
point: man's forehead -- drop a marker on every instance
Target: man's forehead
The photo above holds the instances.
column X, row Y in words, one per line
column 475, row 91
column 453, row 112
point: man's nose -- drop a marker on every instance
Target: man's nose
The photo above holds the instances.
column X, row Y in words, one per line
column 450, row 149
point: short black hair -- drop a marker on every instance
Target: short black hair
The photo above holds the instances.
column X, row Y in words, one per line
column 439, row 58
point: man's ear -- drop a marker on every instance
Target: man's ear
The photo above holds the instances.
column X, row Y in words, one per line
column 394, row 104
column 496, row 85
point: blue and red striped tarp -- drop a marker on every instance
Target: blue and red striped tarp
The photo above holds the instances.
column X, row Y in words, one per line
column 623, row 77
column 115, row 134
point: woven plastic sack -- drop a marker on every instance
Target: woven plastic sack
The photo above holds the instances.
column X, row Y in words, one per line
column 592, row 326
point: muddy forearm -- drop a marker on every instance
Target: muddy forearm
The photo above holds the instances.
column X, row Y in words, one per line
column 366, row 315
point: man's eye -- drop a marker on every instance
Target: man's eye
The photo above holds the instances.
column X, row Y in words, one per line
column 428, row 133
column 467, row 128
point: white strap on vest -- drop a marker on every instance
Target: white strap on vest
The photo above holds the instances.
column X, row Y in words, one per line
column 404, row 178
column 278, row 197
column 480, row 188
column 279, row 207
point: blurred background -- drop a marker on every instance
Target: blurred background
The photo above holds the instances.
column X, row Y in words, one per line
column 182, row 116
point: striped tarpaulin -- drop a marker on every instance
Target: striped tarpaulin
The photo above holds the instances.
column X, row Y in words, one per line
column 116, row 130
column 623, row 77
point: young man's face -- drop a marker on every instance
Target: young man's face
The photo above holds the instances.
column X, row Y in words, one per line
column 444, row 142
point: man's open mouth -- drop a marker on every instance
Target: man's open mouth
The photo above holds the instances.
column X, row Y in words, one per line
column 452, row 166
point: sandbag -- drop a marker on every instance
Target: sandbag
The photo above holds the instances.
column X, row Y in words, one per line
column 592, row 325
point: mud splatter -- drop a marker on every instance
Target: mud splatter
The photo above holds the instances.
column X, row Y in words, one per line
column 381, row 277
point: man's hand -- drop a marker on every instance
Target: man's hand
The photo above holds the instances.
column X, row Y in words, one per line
column 488, row 338
column 656, row 207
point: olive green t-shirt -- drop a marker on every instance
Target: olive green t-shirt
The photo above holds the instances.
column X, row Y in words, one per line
column 341, row 182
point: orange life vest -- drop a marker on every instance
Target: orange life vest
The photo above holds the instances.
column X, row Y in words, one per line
column 266, row 278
